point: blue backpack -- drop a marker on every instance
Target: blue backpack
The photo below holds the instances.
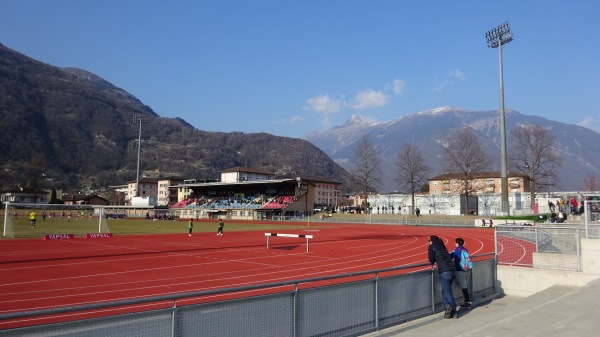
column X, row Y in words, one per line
column 465, row 260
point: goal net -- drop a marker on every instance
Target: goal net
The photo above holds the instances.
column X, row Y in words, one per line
column 50, row 219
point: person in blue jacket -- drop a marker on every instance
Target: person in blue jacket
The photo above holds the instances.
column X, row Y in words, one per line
column 462, row 276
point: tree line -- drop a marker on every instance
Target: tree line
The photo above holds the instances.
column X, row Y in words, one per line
column 532, row 153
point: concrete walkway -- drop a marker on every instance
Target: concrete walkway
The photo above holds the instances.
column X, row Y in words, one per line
column 559, row 311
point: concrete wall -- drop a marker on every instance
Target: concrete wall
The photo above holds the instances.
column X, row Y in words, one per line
column 521, row 281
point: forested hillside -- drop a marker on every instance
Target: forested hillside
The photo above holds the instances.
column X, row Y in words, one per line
column 68, row 128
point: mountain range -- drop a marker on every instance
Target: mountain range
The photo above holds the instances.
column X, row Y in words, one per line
column 430, row 129
column 68, row 128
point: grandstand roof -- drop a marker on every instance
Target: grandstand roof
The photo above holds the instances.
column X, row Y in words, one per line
column 248, row 170
column 238, row 183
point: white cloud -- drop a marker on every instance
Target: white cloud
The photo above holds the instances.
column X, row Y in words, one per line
column 399, row 86
column 370, row 98
column 296, row 119
column 438, row 86
column 324, row 104
column 452, row 75
column 457, row 74
column 590, row 123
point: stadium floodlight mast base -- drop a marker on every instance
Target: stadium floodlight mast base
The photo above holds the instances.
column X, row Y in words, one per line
column 139, row 118
column 495, row 39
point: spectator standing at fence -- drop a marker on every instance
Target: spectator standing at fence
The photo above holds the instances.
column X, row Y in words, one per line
column 220, row 229
column 574, row 205
column 190, row 227
column 438, row 255
column 560, row 204
column 550, row 206
column 462, row 276
column 418, row 212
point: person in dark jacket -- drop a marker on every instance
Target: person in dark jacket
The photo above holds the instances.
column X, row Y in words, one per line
column 438, row 255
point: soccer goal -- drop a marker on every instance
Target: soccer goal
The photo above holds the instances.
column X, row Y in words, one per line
column 50, row 219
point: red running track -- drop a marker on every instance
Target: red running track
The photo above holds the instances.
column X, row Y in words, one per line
column 42, row 274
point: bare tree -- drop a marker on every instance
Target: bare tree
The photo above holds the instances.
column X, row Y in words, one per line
column 488, row 201
column 464, row 155
column 590, row 183
column 367, row 172
column 411, row 170
column 533, row 153
column 435, row 202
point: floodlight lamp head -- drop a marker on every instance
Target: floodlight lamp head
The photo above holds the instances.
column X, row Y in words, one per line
column 499, row 36
column 140, row 118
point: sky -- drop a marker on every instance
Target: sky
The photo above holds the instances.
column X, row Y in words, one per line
column 290, row 68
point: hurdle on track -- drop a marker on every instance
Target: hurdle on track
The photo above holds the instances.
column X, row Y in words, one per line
column 268, row 235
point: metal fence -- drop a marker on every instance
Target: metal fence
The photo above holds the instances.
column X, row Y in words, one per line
column 348, row 307
column 391, row 220
column 541, row 246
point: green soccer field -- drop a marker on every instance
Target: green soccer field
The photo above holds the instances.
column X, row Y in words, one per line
column 21, row 227
column 158, row 227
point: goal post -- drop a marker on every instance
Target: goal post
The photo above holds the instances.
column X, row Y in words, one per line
column 78, row 220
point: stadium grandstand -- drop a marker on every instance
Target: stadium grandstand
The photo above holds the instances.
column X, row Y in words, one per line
column 254, row 194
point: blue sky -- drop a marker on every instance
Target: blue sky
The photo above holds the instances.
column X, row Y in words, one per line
column 292, row 67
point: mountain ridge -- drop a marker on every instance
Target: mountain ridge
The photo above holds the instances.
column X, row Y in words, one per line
column 430, row 129
column 78, row 129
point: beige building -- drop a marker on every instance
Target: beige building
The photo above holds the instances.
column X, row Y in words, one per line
column 153, row 188
column 326, row 192
column 482, row 183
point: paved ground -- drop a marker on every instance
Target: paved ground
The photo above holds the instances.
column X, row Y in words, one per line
column 559, row 311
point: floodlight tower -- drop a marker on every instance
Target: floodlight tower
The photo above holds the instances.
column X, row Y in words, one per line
column 495, row 39
column 139, row 118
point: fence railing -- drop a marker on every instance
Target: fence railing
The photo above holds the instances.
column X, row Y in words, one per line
column 541, row 246
column 392, row 220
column 351, row 304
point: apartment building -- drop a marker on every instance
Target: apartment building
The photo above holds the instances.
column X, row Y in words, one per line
column 481, row 183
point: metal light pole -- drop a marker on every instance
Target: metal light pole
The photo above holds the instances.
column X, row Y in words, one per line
column 139, row 118
column 495, row 39
column 305, row 190
column 530, row 171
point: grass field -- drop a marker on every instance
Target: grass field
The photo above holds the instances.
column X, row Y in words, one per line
column 23, row 229
column 142, row 226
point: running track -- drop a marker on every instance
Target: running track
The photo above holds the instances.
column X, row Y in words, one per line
column 42, row 274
